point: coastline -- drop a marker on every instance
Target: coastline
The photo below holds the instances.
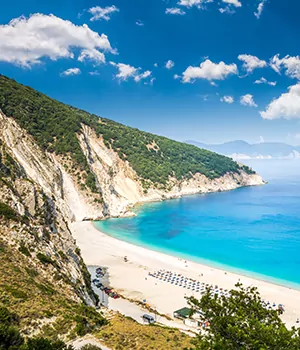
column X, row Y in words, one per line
column 210, row 263
column 132, row 281
column 130, row 209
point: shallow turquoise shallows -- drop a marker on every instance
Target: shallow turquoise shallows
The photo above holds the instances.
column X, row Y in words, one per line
column 254, row 230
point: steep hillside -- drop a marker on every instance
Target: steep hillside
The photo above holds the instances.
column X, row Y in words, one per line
column 96, row 167
column 55, row 127
column 42, row 275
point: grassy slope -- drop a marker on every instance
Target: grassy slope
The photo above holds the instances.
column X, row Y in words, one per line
column 28, row 293
column 123, row 333
column 54, row 125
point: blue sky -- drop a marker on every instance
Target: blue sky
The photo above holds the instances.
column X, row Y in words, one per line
column 65, row 60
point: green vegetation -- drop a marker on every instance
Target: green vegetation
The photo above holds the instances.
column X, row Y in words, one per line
column 55, row 126
column 72, row 319
column 30, row 295
column 240, row 322
column 44, row 259
column 23, row 249
column 11, row 339
column 6, row 212
column 123, row 333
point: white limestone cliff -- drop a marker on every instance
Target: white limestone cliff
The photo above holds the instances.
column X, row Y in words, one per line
column 118, row 184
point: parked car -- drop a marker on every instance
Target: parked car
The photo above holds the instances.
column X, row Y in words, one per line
column 148, row 318
column 98, row 270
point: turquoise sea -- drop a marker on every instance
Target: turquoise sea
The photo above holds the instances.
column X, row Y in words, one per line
column 253, row 230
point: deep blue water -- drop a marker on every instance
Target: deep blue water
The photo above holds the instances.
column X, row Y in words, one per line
column 254, row 229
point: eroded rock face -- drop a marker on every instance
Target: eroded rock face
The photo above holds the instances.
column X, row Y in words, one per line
column 48, row 191
column 121, row 187
column 31, row 185
column 118, row 185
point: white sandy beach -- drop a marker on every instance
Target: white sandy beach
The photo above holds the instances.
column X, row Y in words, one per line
column 132, row 281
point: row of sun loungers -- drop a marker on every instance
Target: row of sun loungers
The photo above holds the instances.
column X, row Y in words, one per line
column 199, row 287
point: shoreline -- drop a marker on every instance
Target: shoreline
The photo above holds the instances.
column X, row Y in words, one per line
column 131, row 278
column 212, row 264
column 129, row 210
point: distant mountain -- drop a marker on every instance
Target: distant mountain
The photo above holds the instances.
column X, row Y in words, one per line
column 240, row 149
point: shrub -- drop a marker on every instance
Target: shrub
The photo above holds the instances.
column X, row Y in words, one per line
column 31, row 272
column 44, row 259
column 46, row 289
column 11, row 339
column 6, row 212
column 23, row 249
column 90, row 347
column 16, row 293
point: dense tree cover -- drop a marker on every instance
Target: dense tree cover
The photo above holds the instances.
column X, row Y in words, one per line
column 54, row 125
column 240, row 322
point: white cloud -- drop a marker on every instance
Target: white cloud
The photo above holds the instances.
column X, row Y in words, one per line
column 251, row 62
column 263, row 80
column 227, row 9
column 151, row 82
column 212, row 83
column 139, row 23
column 261, row 139
column 94, row 73
column 142, row 76
column 247, row 100
column 260, row 8
column 93, row 55
column 286, row 106
column 174, row 11
column 170, row 64
column 290, row 63
column 227, row 99
column 235, row 3
column 190, row 3
column 176, row 76
column 24, row 41
column 155, row 65
column 102, row 12
column 209, row 71
column 126, row 71
column 71, row 71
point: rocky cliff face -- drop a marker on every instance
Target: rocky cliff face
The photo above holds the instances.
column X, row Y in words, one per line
column 31, row 186
column 118, row 185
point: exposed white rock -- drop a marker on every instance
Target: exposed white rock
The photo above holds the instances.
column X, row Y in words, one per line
column 117, row 182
